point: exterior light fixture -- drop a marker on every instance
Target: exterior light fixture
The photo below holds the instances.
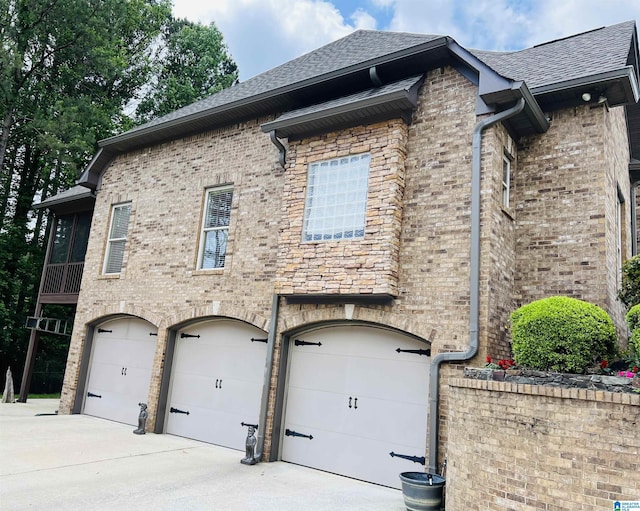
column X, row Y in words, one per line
column 586, row 97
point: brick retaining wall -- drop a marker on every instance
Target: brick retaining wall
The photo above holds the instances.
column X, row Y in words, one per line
column 529, row 447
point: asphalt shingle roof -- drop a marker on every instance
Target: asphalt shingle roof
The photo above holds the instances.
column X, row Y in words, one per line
column 356, row 48
column 594, row 52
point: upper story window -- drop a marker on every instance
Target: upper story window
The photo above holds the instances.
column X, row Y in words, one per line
column 117, row 238
column 215, row 228
column 70, row 237
column 506, row 180
column 336, row 202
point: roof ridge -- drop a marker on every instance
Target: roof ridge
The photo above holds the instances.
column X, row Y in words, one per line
column 606, row 27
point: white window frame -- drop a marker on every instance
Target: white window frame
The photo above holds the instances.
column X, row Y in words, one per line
column 113, row 240
column 204, row 230
column 336, row 202
column 506, row 180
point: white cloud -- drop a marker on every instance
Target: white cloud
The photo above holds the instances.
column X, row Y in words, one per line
column 262, row 34
column 508, row 24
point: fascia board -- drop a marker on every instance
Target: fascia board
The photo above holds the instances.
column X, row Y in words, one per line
column 255, row 99
column 625, row 74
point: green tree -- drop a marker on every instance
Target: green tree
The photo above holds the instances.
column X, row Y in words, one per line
column 67, row 69
column 629, row 292
column 192, row 63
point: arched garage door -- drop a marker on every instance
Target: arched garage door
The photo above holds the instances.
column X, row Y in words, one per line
column 355, row 394
column 120, row 369
column 216, row 382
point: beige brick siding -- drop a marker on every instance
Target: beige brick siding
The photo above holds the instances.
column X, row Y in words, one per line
column 564, row 201
column 416, row 248
column 526, row 447
column 166, row 186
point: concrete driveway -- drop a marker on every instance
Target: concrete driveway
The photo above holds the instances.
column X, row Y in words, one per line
column 77, row 462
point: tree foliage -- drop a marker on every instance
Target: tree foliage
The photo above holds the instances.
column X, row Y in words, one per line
column 629, row 292
column 192, row 63
column 67, row 69
column 563, row 334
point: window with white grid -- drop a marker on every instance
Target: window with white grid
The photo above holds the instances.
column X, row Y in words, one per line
column 117, row 238
column 215, row 228
column 336, row 203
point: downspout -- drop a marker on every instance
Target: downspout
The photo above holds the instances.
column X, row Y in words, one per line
column 474, row 278
column 271, row 340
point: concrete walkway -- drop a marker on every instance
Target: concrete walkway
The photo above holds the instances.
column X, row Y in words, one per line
column 77, row 462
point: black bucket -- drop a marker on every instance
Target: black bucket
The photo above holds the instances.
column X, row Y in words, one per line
column 422, row 491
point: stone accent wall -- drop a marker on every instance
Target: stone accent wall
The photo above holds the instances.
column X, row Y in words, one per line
column 355, row 266
column 564, row 201
column 530, row 447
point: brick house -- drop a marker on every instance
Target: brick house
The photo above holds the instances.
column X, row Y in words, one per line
column 319, row 249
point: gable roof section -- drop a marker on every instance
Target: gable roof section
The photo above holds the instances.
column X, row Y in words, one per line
column 599, row 60
column 280, row 88
column 331, row 78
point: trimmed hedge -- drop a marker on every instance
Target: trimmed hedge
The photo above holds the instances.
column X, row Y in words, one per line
column 562, row 334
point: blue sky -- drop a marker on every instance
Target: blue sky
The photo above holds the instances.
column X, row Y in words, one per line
column 262, row 34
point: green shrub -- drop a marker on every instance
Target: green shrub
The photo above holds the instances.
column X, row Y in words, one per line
column 562, row 334
column 633, row 320
column 629, row 292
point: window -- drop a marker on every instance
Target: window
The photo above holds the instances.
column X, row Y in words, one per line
column 71, row 231
column 215, row 228
column 336, row 199
column 117, row 238
column 506, row 180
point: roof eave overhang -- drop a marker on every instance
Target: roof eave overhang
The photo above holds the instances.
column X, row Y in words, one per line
column 495, row 92
column 68, row 203
column 619, row 85
column 398, row 103
column 172, row 127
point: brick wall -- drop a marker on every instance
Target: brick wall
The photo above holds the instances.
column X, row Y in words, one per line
column 527, row 447
column 159, row 281
column 564, row 207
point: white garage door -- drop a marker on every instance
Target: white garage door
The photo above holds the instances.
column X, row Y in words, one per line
column 354, row 396
column 120, row 369
column 216, row 382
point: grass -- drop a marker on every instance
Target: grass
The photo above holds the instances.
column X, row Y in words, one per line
column 40, row 396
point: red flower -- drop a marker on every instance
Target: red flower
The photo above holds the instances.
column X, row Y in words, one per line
column 488, row 359
column 604, row 364
column 506, row 364
column 635, row 369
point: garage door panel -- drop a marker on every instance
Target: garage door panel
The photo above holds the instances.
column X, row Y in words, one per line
column 388, row 391
column 120, row 369
column 307, row 403
column 218, row 378
column 406, row 425
column 392, row 379
column 207, row 425
column 194, row 389
column 304, row 372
